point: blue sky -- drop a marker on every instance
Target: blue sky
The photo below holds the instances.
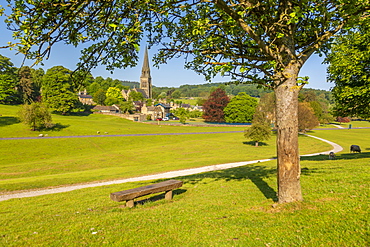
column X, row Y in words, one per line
column 171, row 74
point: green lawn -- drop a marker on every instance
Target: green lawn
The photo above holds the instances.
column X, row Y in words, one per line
column 234, row 207
column 90, row 125
column 43, row 162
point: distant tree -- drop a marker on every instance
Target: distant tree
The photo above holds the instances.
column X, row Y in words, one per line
column 260, row 129
column 240, row 109
column 326, row 118
column 114, row 96
column 94, row 87
column 317, row 110
column 201, row 101
column 183, row 114
column 155, row 95
column 99, row 97
column 58, row 90
column 36, row 115
column 136, row 96
column 26, row 87
column 162, row 95
column 213, row 108
column 307, row 96
column 176, row 94
column 149, row 102
column 318, row 103
column 195, row 114
column 37, row 77
column 126, row 106
column 306, row 117
column 343, row 120
column 267, row 106
column 8, row 81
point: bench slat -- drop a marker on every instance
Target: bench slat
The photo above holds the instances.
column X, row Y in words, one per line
column 145, row 190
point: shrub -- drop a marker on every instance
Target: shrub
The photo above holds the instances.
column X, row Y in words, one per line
column 36, row 115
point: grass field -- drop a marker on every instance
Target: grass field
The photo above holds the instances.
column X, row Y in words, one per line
column 234, row 207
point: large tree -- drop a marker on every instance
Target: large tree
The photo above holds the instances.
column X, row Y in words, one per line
column 213, row 108
column 240, row 109
column 349, row 69
column 27, row 88
column 58, row 90
column 265, row 42
column 8, row 80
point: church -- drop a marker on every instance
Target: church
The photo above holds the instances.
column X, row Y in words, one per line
column 145, row 81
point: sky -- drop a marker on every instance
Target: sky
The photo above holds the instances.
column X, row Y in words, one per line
column 171, row 74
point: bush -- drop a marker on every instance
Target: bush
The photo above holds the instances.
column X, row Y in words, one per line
column 260, row 129
column 36, row 115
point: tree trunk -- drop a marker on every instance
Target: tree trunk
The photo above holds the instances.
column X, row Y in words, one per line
column 289, row 187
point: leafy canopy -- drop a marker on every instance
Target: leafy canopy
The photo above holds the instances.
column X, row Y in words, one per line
column 213, row 108
column 249, row 40
column 36, row 115
column 8, row 78
column 59, row 92
column 349, row 69
column 260, row 129
column 240, row 109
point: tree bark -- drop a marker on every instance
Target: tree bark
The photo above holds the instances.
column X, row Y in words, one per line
column 289, row 187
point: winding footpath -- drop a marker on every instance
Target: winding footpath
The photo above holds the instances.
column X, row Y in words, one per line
column 171, row 174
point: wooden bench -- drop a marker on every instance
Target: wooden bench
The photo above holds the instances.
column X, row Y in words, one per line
column 131, row 194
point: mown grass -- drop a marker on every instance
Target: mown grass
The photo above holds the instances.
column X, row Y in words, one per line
column 223, row 208
column 89, row 124
column 43, row 162
column 39, row 163
column 234, row 207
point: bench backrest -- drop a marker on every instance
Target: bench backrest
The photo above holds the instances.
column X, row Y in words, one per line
column 145, row 190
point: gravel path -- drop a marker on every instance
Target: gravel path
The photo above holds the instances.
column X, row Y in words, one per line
column 172, row 174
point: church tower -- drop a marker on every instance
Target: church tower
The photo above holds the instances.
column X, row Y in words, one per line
column 145, row 78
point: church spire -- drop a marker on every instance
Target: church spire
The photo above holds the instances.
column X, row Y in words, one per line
column 145, row 71
column 145, row 78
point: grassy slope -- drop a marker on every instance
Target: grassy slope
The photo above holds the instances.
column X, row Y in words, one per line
column 42, row 162
column 223, row 208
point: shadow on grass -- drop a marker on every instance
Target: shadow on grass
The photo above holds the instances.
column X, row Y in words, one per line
column 57, row 127
column 4, row 121
column 159, row 197
column 346, row 156
column 80, row 114
column 252, row 143
column 254, row 173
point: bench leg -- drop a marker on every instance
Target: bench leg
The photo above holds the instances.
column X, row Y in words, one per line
column 168, row 195
column 130, row 203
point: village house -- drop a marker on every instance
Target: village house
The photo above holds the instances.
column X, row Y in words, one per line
column 84, row 98
column 106, row 109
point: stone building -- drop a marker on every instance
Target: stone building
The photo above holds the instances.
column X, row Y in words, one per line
column 84, row 98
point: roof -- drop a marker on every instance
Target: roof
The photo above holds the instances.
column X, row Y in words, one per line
column 142, row 91
column 150, row 108
column 85, row 96
column 166, row 106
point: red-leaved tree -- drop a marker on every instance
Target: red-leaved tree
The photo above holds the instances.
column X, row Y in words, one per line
column 213, row 108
